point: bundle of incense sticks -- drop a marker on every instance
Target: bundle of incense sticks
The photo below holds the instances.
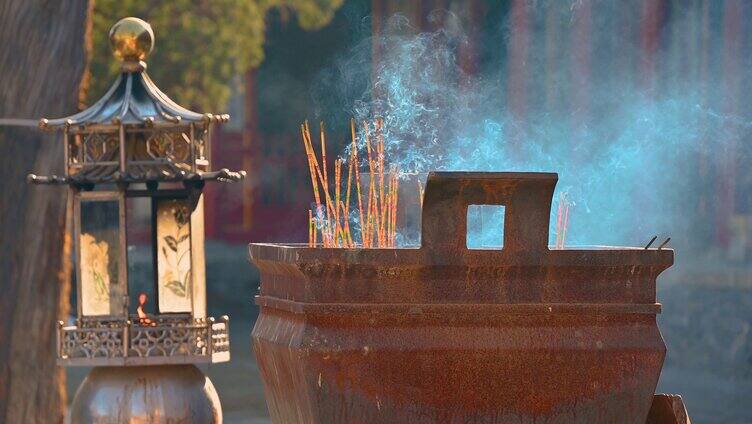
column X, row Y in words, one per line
column 562, row 221
column 331, row 218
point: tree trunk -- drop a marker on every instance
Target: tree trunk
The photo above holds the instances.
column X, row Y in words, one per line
column 43, row 57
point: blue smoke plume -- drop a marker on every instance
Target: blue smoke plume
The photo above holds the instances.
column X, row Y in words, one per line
column 629, row 169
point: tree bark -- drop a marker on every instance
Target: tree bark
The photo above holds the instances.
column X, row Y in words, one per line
column 44, row 58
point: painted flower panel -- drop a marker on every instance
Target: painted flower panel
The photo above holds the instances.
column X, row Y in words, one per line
column 174, row 255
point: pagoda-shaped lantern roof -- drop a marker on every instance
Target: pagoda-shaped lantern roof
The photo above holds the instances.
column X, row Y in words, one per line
column 133, row 99
column 135, row 132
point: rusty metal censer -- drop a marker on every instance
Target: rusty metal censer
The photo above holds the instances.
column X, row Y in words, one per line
column 447, row 334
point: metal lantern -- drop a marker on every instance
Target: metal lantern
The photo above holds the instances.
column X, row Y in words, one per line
column 135, row 164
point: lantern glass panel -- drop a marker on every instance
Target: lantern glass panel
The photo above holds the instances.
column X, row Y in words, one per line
column 100, row 254
column 140, row 237
column 174, row 272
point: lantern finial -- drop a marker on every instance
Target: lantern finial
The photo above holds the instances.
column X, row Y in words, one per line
column 132, row 39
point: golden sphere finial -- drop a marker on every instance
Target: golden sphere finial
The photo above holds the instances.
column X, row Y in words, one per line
column 131, row 39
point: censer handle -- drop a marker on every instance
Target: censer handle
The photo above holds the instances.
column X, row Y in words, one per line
column 526, row 198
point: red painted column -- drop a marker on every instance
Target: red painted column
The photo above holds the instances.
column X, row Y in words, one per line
column 468, row 51
column 581, row 51
column 230, row 206
column 517, row 64
column 651, row 21
column 731, row 85
column 553, row 45
column 704, row 205
column 250, row 149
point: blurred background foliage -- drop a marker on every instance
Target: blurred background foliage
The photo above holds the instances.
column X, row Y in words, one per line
column 200, row 46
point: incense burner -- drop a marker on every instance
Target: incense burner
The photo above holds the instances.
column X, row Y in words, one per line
column 443, row 333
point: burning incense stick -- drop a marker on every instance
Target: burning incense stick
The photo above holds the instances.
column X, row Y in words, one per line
column 325, row 216
column 562, row 221
column 381, row 216
column 315, row 233
column 420, row 193
column 311, row 158
column 337, row 186
column 322, row 137
column 357, row 178
column 395, row 197
column 371, row 189
column 311, row 228
column 378, row 221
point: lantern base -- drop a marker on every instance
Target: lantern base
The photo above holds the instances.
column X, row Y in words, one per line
column 149, row 394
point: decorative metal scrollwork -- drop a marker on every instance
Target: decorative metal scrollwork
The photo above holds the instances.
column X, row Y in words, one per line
column 101, row 342
column 170, row 145
column 171, row 337
column 100, row 147
column 168, row 341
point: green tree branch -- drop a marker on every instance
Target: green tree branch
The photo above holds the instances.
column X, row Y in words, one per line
column 200, row 45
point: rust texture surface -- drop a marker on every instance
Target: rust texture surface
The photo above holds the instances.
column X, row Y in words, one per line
column 445, row 334
column 668, row 409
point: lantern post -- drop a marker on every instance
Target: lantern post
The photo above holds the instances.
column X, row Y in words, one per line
column 135, row 168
